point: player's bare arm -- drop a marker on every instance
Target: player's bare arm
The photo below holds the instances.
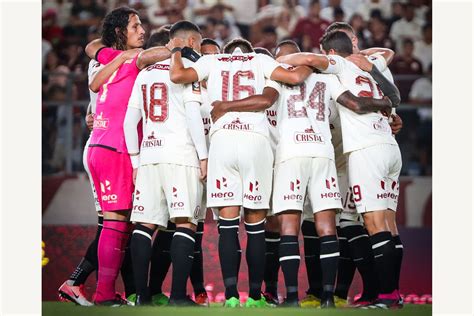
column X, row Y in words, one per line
column 318, row 61
column 293, row 76
column 387, row 53
column 363, row 105
column 254, row 103
column 152, row 55
column 89, row 118
column 101, row 77
column 93, row 47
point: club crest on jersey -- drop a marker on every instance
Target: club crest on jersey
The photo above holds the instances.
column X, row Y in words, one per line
column 382, row 125
column 100, row 122
column 238, row 125
column 196, row 86
column 308, row 136
column 152, row 141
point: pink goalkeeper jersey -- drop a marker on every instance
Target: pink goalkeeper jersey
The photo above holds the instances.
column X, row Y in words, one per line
column 112, row 102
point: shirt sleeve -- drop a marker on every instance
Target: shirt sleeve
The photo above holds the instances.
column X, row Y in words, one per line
column 379, row 61
column 273, row 84
column 335, row 87
column 196, row 128
column 203, row 66
column 336, row 64
column 106, row 54
column 192, row 93
column 268, row 64
column 130, row 123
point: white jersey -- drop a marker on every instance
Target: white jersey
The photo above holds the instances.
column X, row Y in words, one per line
column 335, row 122
column 303, row 118
column 206, row 114
column 234, row 77
column 166, row 138
column 359, row 130
column 272, row 123
column 94, row 68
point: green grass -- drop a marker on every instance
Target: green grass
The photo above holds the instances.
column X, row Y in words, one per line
column 69, row 309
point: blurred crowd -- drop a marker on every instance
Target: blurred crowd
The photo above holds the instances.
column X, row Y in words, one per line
column 404, row 26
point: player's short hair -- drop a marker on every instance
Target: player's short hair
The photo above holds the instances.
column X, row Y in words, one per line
column 239, row 42
column 210, row 41
column 263, row 50
column 288, row 42
column 117, row 18
column 183, row 26
column 339, row 41
column 159, row 38
column 339, row 26
column 165, row 27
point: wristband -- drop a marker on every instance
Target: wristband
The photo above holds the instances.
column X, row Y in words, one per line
column 176, row 49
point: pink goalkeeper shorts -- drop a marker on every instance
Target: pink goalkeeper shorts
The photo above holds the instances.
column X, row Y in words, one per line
column 111, row 172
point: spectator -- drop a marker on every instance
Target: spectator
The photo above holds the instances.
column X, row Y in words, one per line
column 420, row 10
column 339, row 15
column 423, row 48
column 217, row 12
column 378, row 34
column 366, row 7
column 397, row 12
column 45, row 49
column 328, row 12
column 358, row 25
column 62, row 9
column 282, row 23
column 51, row 31
column 309, row 30
column 223, row 33
column 407, row 27
column 422, row 91
column 269, row 38
column 295, row 11
column 406, row 64
column 244, row 13
column 84, row 14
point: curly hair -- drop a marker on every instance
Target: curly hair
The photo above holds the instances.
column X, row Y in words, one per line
column 117, row 18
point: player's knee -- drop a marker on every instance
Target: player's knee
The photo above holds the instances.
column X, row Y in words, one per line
column 290, row 223
column 184, row 222
column 375, row 222
column 254, row 216
column 272, row 225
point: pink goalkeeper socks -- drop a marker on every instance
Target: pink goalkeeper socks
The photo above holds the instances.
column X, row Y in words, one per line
column 110, row 251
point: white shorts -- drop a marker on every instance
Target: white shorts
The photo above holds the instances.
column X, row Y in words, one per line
column 349, row 211
column 240, row 170
column 167, row 191
column 373, row 177
column 297, row 176
column 86, row 167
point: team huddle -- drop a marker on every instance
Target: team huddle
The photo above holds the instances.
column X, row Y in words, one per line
column 292, row 141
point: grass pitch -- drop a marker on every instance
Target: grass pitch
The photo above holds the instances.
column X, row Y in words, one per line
column 69, row 309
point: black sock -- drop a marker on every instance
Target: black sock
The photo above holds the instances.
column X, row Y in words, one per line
column 126, row 271
column 182, row 250
column 329, row 258
column 161, row 258
column 384, row 255
column 229, row 255
column 311, row 258
column 197, row 273
column 362, row 256
column 346, row 267
column 140, row 247
column 90, row 262
column 255, row 256
column 272, row 263
column 290, row 263
column 398, row 259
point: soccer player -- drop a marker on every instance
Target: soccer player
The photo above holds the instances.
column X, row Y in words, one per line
column 73, row 288
column 368, row 141
column 171, row 163
column 305, row 163
column 108, row 160
column 240, row 157
column 351, row 225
